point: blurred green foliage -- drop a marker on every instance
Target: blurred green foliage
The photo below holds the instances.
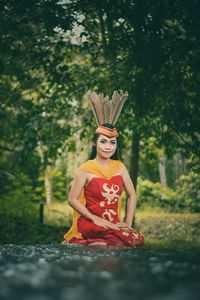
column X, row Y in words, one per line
column 18, row 212
column 188, row 193
column 185, row 198
column 51, row 53
column 59, row 184
column 153, row 195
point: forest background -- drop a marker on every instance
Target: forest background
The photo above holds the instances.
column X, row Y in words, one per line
column 51, row 54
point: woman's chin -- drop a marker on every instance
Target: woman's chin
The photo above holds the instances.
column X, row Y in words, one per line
column 107, row 155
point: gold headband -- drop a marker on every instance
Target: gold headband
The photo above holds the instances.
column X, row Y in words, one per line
column 109, row 132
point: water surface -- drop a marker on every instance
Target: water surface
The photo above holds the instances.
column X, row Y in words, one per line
column 60, row 272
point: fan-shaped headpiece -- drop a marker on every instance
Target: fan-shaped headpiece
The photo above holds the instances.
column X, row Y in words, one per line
column 106, row 110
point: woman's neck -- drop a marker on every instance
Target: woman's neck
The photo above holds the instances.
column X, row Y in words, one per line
column 104, row 162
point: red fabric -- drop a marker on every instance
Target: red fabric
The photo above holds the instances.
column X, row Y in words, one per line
column 102, row 200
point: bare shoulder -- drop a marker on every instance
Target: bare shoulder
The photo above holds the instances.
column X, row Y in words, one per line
column 79, row 181
column 81, row 175
column 127, row 182
column 125, row 175
column 77, row 185
column 124, row 171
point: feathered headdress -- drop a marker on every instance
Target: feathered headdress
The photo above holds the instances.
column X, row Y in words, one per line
column 106, row 110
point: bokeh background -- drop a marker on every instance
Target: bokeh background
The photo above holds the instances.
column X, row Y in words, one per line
column 51, row 54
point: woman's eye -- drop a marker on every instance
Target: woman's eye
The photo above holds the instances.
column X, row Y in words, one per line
column 103, row 141
column 113, row 142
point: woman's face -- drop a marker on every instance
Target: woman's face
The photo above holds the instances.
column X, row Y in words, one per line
column 106, row 147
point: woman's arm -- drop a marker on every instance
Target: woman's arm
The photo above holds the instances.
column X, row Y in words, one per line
column 74, row 194
column 131, row 195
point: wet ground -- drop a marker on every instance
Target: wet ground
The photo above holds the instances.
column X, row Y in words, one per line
column 59, row 272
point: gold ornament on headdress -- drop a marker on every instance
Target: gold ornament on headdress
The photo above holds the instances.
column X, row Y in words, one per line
column 104, row 109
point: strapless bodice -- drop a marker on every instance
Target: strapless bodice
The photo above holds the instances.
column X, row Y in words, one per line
column 102, row 196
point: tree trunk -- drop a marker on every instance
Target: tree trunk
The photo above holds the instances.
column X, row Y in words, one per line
column 162, row 172
column 134, row 164
column 41, row 213
column 48, row 185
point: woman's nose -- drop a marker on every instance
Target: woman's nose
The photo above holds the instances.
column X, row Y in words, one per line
column 107, row 146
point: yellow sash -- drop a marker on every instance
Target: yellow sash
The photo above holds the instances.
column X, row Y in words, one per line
column 93, row 167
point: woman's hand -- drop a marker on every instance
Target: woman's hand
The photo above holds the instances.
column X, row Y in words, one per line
column 124, row 226
column 104, row 223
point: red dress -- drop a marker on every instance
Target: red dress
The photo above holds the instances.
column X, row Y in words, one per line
column 102, row 200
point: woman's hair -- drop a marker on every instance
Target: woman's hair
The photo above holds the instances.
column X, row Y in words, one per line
column 116, row 155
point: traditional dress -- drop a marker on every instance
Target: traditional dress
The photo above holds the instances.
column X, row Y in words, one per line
column 102, row 197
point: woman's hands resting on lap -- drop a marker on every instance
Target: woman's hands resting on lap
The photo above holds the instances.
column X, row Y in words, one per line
column 124, row 226
column 105, row 223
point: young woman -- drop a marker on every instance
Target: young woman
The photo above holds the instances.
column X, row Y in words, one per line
column 95, row 196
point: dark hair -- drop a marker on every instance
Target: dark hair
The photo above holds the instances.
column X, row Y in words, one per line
column 116, row 155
